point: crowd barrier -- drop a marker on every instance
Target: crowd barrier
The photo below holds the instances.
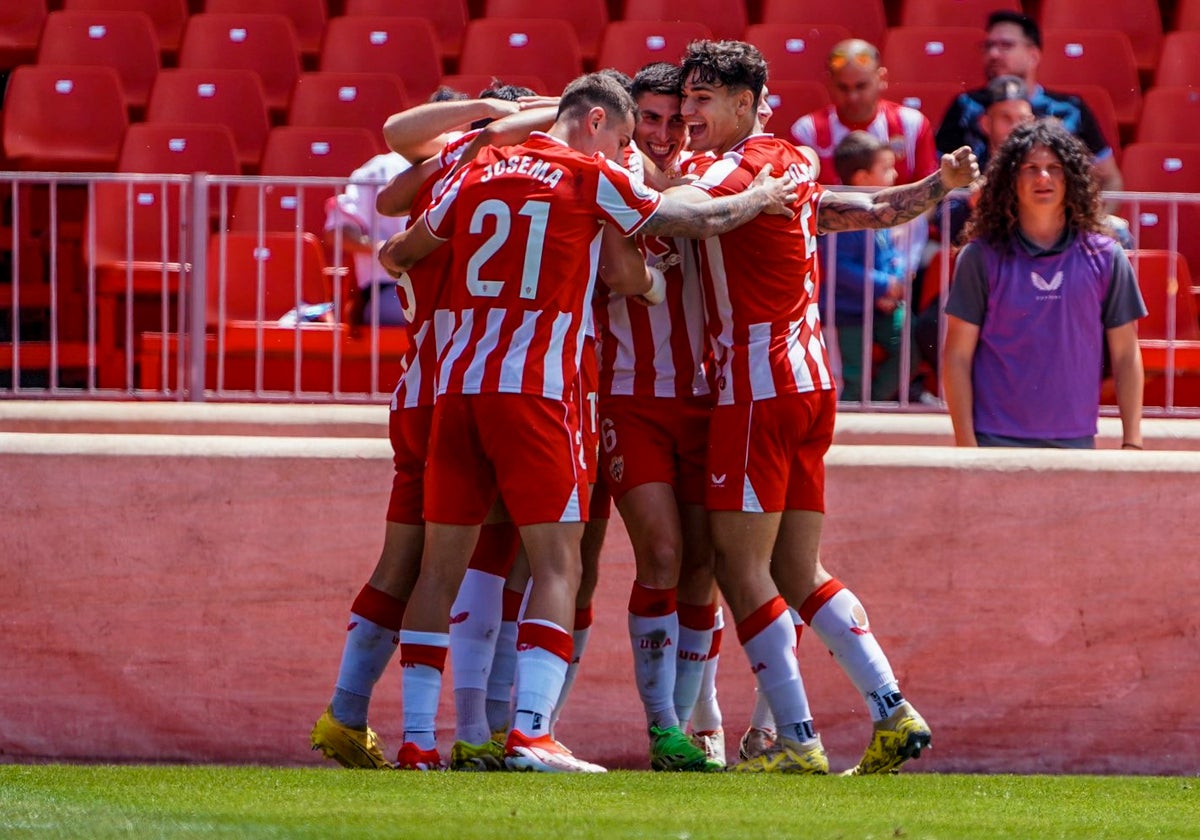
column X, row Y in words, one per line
column 202, row 287
column 182, row 597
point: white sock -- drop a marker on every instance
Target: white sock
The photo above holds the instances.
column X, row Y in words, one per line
column 761, row 717
column 543, row 653
column 706, row 717
column 422, row 684
column 365, row 655
column 500, row 681
column 837, row 617
column 653, row 631
column 696, row 628
column 474, row 627
column 769, row 639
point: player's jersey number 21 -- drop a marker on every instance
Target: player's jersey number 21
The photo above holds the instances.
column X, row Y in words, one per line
column 538, row 212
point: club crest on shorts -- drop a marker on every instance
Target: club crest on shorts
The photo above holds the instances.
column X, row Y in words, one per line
column 617, row 468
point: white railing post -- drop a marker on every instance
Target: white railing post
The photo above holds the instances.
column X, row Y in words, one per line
column 197, row 289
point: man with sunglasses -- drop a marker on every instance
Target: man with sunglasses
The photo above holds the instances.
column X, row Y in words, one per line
column 1014, row 47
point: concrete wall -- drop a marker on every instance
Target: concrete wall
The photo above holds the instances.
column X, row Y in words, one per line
column 184, row 598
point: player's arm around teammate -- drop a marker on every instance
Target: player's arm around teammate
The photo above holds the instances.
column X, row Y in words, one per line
column 896, row 205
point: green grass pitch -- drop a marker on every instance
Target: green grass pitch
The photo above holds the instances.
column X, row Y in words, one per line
column 251, row 802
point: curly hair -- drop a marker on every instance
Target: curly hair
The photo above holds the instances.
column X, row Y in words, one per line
column 995, row 216
column 733, row 64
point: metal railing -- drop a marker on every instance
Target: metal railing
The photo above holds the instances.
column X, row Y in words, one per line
column 120, row 286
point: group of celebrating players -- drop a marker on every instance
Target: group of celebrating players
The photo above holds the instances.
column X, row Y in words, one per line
column 691, row 386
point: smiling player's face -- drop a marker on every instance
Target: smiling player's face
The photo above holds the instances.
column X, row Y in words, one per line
column 717, row 117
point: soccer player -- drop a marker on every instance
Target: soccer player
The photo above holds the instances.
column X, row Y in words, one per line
column 654, row 407
column 775, row 410
column 342, row 733
column 527, row 223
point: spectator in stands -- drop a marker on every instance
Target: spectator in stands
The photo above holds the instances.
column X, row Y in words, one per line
column 1040, row 290
column 856, row 84
column 1014, row 47
column 352, row 226
column 863, row 160
column 1005, row 107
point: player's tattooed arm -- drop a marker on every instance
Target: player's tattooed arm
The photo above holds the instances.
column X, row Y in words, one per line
column 691, row 212
column 896, row 205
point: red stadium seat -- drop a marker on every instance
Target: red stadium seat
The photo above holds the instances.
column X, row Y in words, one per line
column 449, row 18
column 536, row 47
column 587, row 17
column 20, row 29
column 952, row 12
column 930, row 98
column 864, row 18
column 263, row 43
column 1100, row 103
column 302, row 151
column 1163, row 167
column 261, row 279
column 232, row 98
column 629, row 45
column 473, row 84
column 725, row 18
column 307, row 17
column 795, row 51
column 405, row 46
column 1187, row 16
column 792, row 100
column 64, row 118
column 1140, row 20
column 125, row 41
column 1179, row 63
column 1093, row 57
column 168, row 16
column 933, row 54
column 179, row 148
column 1166, row 284
column 1169, row 115
column 354, row 100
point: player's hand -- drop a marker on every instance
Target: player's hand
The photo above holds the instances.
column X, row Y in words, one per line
column 528, row 103
column 781, row 192
column 387, row 260
column 500, row 108
column 960, row 168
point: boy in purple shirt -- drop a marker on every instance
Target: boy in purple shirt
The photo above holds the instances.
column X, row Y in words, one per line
column 1039, row 291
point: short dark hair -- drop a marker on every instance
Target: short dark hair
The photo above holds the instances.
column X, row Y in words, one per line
column 733, row 64
column 1028, row 25
column 1005, row 89
column 499, row 90
column 445, row 93
column 659, row 77
column 593, row 90
column 616, row 75
column 855, row 152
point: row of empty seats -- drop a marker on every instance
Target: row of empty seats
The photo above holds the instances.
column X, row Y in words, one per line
column 1141, row 19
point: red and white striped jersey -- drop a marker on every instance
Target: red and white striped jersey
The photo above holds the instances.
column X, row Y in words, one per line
column 420, row 291
column 655, row 351
column 526, row 225
column 906, row 131
column 760, row 281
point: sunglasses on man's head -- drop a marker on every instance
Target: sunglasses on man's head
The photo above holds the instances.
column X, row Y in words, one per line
column 839, row 60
